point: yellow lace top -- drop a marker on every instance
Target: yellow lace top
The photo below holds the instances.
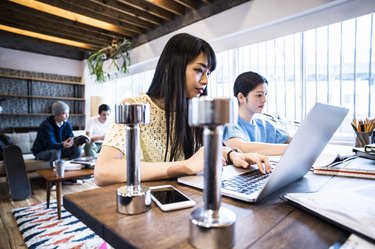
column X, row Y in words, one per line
column 153, row 136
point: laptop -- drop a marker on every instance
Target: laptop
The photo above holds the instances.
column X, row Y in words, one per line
column 311, row 138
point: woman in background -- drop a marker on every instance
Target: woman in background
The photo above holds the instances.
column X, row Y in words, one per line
column 169, row 146
column 252, row 133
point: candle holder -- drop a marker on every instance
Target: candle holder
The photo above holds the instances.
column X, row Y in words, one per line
column 212, row 226
column 133, row 198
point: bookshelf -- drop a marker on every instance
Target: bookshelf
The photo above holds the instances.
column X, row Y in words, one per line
column 26, row 99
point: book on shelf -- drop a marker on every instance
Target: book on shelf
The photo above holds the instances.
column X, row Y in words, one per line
column 351, row 208
column 351, row 166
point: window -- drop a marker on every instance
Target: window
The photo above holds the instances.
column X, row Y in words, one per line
column 332, row 64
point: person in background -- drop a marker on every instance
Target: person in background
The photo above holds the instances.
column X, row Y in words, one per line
column 96, row 129
column 252, row 133
column 55, row 139
column 169, row 146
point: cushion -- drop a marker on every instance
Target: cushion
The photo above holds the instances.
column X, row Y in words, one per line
column 32, row 138
column 22, row 140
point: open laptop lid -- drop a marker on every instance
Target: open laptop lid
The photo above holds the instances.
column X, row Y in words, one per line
column 311, row 138
column 307, row 144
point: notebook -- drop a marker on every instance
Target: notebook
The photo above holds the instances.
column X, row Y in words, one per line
column 87, row 161
column 311, row 138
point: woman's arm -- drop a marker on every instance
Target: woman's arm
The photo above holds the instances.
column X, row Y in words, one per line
column 257, row 147
column 110, row 167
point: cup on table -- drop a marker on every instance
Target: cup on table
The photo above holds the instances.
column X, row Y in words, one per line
column 363, row 138
column 59, row 167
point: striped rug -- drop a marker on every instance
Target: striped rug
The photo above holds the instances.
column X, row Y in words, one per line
column 40, row 228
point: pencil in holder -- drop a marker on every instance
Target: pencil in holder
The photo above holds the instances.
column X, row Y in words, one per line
column 363, row 138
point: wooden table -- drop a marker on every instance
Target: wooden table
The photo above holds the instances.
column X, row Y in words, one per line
column 50, row 176
column 271, row 223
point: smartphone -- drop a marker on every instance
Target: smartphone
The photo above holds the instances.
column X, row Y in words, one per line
column 169, row 198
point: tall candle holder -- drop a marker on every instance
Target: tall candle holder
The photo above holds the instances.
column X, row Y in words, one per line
column 212, row 226
column 134, row 198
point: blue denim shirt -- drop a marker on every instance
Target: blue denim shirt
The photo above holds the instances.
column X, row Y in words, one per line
column 258, row 130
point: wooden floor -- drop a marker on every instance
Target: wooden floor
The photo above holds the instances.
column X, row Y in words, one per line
column 10, row 237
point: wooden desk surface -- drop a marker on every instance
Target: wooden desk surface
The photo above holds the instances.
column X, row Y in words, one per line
column 50, row 175
column 271, row 223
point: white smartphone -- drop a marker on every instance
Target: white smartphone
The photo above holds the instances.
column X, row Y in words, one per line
column 169, row 198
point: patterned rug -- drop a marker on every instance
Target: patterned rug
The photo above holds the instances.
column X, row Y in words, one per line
column 40, row 228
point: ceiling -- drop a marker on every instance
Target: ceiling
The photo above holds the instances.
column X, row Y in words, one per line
column 92, row 24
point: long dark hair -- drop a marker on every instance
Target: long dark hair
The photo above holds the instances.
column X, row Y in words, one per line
column 168, row 84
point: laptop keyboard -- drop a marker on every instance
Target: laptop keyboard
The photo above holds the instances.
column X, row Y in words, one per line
column 246, row 183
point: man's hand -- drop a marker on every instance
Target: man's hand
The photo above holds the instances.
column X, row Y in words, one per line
column 68, row 143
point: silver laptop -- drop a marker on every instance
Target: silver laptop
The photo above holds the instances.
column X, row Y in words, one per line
column 307, row 144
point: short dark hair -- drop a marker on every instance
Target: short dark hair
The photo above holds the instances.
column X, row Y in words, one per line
column 246, row 82
column 103, row 108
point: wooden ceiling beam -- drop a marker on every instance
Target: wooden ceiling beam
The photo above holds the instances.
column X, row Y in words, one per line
column 150, row 8
column 32, row 14
column 26, row 20
column 52, row 39
column 44, row 30
column 122, row 9
column 74, row 16
column 169, row 5
column 100, row 13
column 117, row 14
column 28, row 44
column 202, row 12
column 191, row 4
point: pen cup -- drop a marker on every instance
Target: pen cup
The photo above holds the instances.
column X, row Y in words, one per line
column 362, row 139
column 59, row 167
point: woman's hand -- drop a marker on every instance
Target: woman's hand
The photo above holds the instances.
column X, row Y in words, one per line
column 195, row 163
column 244, row 160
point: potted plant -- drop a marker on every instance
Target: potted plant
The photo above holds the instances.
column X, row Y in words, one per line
column 117, row 52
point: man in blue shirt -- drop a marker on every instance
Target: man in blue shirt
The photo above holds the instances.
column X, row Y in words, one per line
column 254, row 134
column 54, row 139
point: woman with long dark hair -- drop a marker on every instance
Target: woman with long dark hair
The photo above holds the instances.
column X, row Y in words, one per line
column 169, row 146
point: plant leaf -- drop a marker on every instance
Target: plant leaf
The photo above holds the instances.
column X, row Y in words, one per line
column 113, row 52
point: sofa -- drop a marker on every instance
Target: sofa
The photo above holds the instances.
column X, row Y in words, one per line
column 25, row 141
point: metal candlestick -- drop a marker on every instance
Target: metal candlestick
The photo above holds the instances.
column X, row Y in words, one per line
column 133, row 198
column 212, row 226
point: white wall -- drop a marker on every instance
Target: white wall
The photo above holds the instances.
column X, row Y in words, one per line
column 19, row 60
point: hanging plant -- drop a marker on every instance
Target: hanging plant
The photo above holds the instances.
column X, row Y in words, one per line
column 117, row 50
